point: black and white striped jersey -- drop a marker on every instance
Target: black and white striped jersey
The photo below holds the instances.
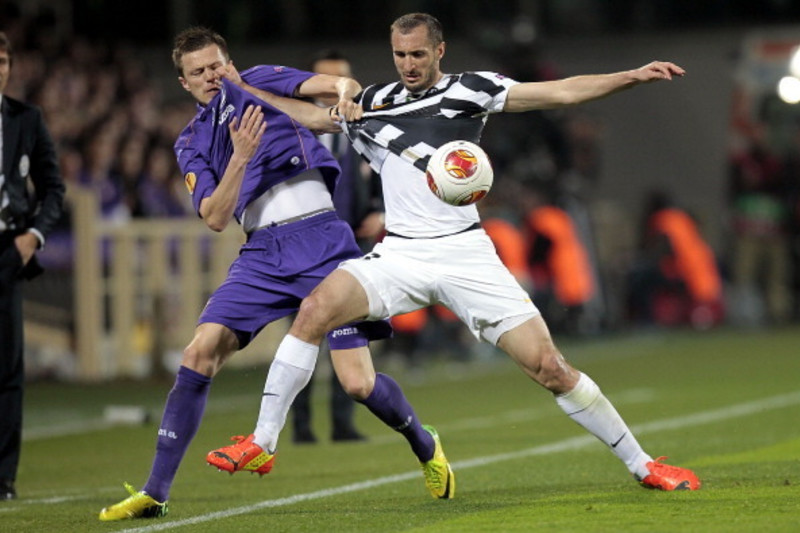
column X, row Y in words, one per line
column 401, row 130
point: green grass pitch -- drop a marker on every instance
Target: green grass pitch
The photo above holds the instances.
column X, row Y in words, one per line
column 725, row 403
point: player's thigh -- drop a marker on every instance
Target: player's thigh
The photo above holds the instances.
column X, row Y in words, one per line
column 393, row 278
column 527, row 343
column 339, row 299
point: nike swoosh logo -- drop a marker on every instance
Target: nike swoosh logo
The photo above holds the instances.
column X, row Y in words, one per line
column 614, row 445
column 270, row 394
column 449, row 483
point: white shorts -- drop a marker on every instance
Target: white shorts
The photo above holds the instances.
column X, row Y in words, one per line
column 461, row 272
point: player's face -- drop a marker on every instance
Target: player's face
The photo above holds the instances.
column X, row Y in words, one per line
column 416, row 59
column 203, row 71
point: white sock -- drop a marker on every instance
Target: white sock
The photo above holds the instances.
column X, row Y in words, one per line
column 587, row 406
column 289, row 372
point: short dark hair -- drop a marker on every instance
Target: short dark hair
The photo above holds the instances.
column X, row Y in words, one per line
column 194, row 39
column 326, row 54
column 410, row 21
column 5, row 45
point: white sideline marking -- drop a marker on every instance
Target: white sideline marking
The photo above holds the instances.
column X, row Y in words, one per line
column 15, row 505
column 696, row 419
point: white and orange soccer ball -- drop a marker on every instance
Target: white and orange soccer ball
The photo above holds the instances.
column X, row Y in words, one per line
column 459, row 173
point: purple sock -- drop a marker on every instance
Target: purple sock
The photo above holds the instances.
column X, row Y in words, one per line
column 182, row 414
column 387, row 402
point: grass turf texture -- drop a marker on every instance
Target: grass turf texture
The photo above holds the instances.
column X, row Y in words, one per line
column 725, row 403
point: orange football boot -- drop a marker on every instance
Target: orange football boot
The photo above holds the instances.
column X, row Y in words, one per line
column 245, row 455
column 668, row 477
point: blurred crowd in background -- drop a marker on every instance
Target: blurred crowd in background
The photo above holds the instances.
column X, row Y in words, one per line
column 114, row 131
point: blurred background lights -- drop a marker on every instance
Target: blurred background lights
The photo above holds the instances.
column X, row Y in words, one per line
column 789, row 89
column 794, row 63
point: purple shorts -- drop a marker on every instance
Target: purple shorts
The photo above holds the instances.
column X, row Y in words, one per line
column 279, row 266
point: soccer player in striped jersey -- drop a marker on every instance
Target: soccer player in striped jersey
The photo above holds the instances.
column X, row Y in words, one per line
column 437, row 253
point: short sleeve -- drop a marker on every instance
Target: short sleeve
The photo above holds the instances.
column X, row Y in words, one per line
column 276, row 79
column 489, row 89
column 198, row 176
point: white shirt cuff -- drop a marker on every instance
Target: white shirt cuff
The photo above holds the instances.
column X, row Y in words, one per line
column 38, row 236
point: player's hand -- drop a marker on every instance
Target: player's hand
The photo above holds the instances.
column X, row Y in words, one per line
column 657, row 70
column 230, row 73
column 247, row 132
column 348, row 111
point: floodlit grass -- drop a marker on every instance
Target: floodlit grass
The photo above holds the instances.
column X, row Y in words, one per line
column 725, row 403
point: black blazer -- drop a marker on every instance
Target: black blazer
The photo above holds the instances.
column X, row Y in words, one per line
column 29, row 154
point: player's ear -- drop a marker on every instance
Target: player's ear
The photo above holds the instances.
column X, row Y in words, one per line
column 183, row 83
column 440, row 50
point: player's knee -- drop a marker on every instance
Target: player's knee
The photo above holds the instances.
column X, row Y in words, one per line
column 358, row 387
column 200, row 360
column 555, row 374
column 313, row 316
column 545, row 364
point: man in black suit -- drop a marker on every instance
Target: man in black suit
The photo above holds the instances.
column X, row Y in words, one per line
column 27, row 155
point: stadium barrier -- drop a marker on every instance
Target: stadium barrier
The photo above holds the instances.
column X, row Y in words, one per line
column 139, row 287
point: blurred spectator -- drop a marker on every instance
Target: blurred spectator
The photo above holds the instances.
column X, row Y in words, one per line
column 128, row 170
column 103, row 107
column 559, row 262
column 792, row 170
column 100, row 158
column 158, row 192
column 760, row 215
column 675, row 280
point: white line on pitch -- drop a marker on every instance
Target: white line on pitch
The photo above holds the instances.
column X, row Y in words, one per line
column 696, row 419
column 512, row 416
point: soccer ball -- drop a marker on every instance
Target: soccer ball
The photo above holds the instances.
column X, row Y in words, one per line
column 459, row 173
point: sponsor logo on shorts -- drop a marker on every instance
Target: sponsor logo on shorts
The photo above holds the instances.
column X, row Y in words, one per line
column 341, row 332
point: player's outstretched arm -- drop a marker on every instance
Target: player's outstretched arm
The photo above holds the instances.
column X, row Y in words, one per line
column 313, row 117
column 322, row 86
column 580, row 89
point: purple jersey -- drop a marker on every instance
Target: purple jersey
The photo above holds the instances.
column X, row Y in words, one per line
column 287, row 149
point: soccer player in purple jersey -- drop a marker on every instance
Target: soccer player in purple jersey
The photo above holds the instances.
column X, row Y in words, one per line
column 438, row 253
column 243, row 158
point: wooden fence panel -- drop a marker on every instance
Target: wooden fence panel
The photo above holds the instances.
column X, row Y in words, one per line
column 140, row 287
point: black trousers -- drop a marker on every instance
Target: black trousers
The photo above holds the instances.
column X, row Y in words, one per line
column 12, row 375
